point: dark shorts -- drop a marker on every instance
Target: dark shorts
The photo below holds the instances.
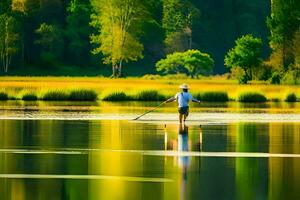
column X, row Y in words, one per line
column 184, row 110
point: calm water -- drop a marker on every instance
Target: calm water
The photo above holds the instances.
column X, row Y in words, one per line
column 123, row 159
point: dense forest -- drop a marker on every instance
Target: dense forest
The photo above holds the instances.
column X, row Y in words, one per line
column 87, row 37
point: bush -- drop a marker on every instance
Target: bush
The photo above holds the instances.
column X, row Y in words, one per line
column 83, row 95
column 213, row 97
column 115, row 96
column 149, row 95
column 55, row 95
column 3, row 96
column 251, row 97
column 291, row 98
column 29, row 96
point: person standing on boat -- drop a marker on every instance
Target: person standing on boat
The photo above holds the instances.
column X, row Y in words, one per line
column 183, row 98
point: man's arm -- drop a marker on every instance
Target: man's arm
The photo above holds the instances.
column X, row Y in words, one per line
column 172, row 99
column 196, row 100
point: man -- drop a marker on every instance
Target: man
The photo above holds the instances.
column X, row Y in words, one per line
column 183, row 98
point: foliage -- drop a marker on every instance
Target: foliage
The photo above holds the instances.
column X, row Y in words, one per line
column 291, row 77
column 191, row 62
column 55, row 95
column 291, row 97
column 178, row 20
column 284, row 22
column 77, row 31
column 213, row 96
column 3, row 96
column 83, row 95
column 117, row 38
column 246, row 55
column 276, row 78
column 251, row 97
column 149, row 95
column 50, row 39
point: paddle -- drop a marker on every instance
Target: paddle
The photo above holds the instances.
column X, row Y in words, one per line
column 151, row 110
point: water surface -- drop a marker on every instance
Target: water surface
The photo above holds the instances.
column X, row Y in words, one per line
column 116, row 159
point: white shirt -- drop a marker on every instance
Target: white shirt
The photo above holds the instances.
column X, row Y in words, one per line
column 183, row 99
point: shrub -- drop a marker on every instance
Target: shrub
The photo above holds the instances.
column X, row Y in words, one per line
column 83, row 95
column 213, row 97
column 275, row 79
column 254, row 97
column 115, row 96
column 29, row 96
column 3, row 96
column 291, row 98
column 55, row 95
column 149, row 95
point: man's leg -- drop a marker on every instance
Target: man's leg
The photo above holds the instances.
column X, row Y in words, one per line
column 184, row 118
column 180, row 118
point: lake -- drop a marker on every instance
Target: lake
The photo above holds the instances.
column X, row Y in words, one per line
column 96, row 151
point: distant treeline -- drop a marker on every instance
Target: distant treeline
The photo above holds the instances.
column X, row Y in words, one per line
column 49, row 34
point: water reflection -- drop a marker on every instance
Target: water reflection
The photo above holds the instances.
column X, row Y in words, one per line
column 193, row 177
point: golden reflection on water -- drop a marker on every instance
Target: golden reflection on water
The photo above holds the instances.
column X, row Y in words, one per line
column 194, row 177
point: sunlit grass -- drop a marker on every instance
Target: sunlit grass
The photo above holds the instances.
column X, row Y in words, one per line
column 131, row 86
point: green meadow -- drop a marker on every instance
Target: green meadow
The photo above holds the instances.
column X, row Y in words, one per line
column 140, row 89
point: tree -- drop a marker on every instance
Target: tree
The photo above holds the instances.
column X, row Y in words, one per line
column 284, row 23
column 51, row 42
column 191, row 62
column 178, row 20
column 78, row 30
column 245, row 55
column 9, row 39
column 117, row 40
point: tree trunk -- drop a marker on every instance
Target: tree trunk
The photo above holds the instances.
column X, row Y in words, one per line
column 113, row 71
column 120, row 69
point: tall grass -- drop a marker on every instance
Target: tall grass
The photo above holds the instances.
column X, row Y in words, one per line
column 213, row 96
column 252, row 97
column 29, row 96
column 115, row 96
column 3, row 96
column 83, row 95
column 291, row 97
column 149, row 95
column 55, row 95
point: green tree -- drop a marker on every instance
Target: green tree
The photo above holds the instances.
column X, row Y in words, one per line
column 78, row 30
column 284, row 23
column 51, row 42
column 9, row 39
column 117, row 40
column 191, row 62
column 178, row 20
column 245, row 55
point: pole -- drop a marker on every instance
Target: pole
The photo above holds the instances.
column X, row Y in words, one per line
column 150, row 110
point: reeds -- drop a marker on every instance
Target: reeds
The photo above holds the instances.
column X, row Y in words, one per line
column 252, row 97
column 291, row 97
column 3, row 96
column 213, row 96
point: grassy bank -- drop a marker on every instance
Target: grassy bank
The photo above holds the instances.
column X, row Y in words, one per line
column 137, row 89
